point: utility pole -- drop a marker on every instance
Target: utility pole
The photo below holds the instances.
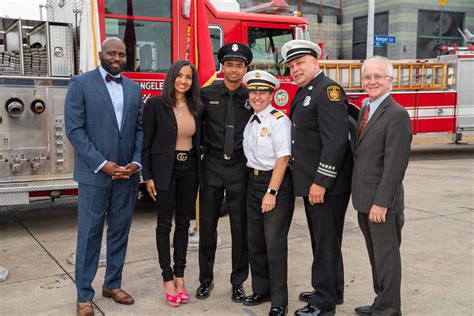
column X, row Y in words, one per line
column 370, row 29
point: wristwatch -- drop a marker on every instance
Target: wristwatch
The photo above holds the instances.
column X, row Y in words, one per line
column 272, row 192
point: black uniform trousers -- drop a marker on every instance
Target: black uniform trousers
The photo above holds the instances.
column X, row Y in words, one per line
column 268, row 237
column 326, row 222
column 383, row 245
column 231, row 176
column 182, row 197
column 340, row 270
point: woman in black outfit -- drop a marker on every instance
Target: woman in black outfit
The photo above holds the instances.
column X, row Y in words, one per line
column 170, row 167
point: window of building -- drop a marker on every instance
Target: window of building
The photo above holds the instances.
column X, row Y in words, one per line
column 359, row 35
column 148, row 41
column 429, row 36
column 266, row 46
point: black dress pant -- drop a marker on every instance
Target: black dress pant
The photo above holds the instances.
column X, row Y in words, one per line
column 383, row 245
column 181, row 197
column 326, row 222
column 231, row 176
column 268, row 237
column 340, row 274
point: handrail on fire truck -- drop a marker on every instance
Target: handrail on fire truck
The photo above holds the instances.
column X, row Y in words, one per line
column 408, row 75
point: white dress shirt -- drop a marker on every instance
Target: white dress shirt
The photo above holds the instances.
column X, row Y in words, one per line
column 268, row 140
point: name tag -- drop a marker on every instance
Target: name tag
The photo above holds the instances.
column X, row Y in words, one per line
column 213, row 102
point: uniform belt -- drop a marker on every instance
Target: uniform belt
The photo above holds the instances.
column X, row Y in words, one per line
column 257, row 172
column 220, row 154
column 183, row 155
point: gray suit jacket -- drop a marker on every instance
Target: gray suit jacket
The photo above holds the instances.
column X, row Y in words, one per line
column 381, row 158
column 92, row 128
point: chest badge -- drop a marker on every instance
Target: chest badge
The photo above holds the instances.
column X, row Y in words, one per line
column 247, row 104
column 264, row 132
column 307, row 101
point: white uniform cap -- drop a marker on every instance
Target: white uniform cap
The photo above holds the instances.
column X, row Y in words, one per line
column 297, row 48
column 259, row 80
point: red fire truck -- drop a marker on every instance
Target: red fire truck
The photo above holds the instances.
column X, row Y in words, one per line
column 37, row 58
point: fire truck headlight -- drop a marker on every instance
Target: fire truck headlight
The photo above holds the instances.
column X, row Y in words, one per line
column 14, row 107
column 38, row 106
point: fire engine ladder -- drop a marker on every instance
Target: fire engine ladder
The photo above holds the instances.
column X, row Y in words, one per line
column 409, row 75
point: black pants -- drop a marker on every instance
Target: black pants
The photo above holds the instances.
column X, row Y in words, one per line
column 231, row 176
column 326, row 223
column 383, row 245
column 268, row 237
column 181, row 197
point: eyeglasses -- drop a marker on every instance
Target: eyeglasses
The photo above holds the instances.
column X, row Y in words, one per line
column 375, row 77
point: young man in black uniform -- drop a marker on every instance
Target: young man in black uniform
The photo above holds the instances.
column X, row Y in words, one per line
column 226, row 113
column 321, row 167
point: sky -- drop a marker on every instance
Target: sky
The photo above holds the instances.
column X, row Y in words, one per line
column 26, row 9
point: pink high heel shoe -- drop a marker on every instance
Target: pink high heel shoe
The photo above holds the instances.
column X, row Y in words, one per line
column 184, row 297
column 173, row 300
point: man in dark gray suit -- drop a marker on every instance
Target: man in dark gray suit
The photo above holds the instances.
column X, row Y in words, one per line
column 103, row 116
column 380, row 160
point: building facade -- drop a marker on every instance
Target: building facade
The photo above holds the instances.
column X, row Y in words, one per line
column 416, row 25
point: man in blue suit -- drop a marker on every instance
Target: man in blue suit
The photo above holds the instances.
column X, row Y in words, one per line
column 103, row 116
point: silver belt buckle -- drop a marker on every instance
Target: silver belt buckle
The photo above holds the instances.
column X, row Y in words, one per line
column 226, row 157
column 182, row 156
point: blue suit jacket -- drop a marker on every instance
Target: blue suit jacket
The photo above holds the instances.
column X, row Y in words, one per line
column 92, row 128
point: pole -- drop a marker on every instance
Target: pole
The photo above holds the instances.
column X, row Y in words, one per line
column 370, row 29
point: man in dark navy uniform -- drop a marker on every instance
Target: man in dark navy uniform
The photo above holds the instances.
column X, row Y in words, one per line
column 226, row 113
column 321, row 166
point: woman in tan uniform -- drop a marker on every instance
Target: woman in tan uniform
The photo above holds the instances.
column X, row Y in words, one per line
column 170, row 167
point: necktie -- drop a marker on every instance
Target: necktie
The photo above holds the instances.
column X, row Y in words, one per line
column 363, row 122
column 109, row 78
column 229, row 127
column 255, row 118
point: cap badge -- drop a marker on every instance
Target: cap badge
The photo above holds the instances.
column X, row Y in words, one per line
column 235, row 47
column 257, row 75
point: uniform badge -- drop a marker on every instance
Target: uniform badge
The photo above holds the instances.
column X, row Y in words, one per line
column 334, row 93
column 264, row 132
column 307, row 100
column 235, row 47
column 247, row 104
column 310, row 88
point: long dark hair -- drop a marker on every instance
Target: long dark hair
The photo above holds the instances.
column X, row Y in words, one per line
column 193, row 95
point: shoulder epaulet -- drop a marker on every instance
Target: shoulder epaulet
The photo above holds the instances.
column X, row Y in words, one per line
column 277, row 114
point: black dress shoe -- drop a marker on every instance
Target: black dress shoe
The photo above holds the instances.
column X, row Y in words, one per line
column 256, row 299
column 306, row 297
column 204, row 291
column 238, row 293
column 278, row 311
column 311, row 310
column 364, row 310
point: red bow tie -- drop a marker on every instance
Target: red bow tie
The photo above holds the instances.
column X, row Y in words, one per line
column 109, row 78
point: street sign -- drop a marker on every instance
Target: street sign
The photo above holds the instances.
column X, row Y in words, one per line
column 383, row 39
column 443, row 2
